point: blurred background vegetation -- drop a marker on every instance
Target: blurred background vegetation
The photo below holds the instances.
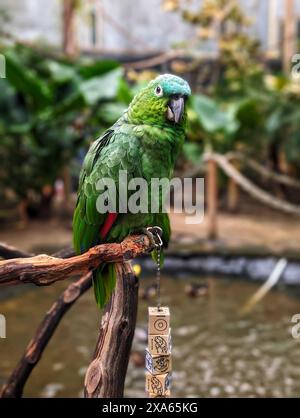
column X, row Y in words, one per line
column 50, row 109
column 54, row 103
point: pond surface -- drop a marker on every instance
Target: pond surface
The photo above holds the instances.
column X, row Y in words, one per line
column 216, row 353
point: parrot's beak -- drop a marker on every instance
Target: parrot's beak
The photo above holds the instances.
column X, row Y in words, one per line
column 175, row 109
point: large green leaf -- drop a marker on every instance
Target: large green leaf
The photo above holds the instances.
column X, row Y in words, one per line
column 25, row 81
column 125, row 93
column 110, row 112
column 60, row 73
column 101, row 88
column 212, row 118
column 94, row 69
column 192, row 151
column 90, row 92
column 274, row 121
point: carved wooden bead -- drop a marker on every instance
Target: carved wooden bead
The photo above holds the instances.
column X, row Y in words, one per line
column 159, row 320
column 159, row 344
column 154, row 395
column 159, row 384
column 157, row 364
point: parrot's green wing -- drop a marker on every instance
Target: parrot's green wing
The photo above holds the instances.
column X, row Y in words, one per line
column 86, row 220
column 118, row 149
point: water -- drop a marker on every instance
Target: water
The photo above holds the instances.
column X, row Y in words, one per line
column 215, row 352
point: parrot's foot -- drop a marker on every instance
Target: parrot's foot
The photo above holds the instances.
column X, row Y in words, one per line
column 150, row 236
column 154, row 234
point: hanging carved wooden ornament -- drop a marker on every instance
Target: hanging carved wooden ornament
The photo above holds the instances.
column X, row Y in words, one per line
column 158, row 352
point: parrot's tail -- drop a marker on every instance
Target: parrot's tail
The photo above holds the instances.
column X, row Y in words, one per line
column 104, row 280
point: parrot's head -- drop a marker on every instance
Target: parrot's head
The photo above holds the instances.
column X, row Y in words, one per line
column 161, row 102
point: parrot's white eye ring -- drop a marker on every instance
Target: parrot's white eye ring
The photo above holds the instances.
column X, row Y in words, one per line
column 158, row 91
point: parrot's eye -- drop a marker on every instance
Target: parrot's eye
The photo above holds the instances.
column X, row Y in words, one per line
column 158, row 91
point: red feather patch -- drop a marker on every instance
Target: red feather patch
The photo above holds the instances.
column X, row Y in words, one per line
column 109, row 221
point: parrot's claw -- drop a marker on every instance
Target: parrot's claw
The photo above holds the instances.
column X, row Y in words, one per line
column 150, row 237
column 154, row 234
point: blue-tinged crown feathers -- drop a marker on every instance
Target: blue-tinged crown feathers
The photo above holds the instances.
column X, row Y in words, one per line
column 172, row 84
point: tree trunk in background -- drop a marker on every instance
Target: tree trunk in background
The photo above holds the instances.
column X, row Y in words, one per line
column 289, row 34
column 274, row 156
column 70, row 49
column 212, row 198
column 232, row 191
column 69, row 42
column 232, row 195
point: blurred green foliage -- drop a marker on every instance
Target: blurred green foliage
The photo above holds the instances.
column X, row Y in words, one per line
column 266, row 115
column 49, row 109
column 247, row 108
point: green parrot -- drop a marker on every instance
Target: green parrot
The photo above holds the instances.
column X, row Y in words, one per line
column 145, row 142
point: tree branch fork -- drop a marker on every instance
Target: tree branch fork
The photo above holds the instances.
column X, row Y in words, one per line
column 43, row 270
column 106, row 375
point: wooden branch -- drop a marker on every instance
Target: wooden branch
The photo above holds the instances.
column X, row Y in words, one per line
column 106, row 374
column 289, row 34
column 254, row 191
column 69, row 38
column 15, row 384
column 44, row 270
column 154, row 61
column 264, row 171
column 8, row 252
column 212, row 199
